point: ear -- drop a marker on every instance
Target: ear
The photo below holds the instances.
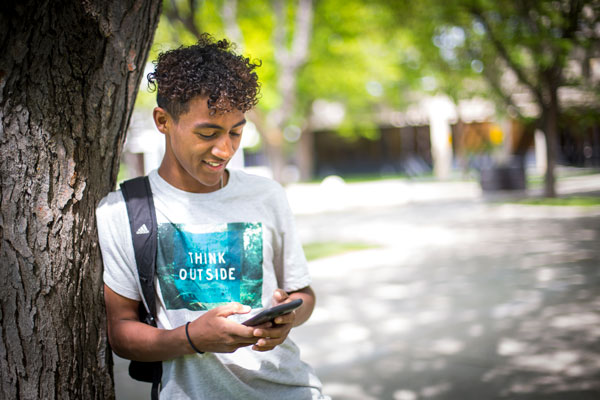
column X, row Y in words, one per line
column 162, row 119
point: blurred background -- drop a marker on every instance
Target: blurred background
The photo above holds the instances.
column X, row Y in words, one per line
column 442, row 159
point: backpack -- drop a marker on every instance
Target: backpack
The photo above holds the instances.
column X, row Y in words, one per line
column 142, row 222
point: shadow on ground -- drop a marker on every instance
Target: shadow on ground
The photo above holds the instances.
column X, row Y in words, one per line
column 479, row 301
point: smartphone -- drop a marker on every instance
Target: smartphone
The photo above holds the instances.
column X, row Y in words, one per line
column 273, row 312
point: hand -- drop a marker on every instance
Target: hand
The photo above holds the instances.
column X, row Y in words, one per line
column 273, row 334
column 215, row 333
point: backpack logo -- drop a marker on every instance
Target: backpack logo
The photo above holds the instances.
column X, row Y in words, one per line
column 143, row 230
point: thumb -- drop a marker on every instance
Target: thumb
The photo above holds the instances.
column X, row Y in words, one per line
column 279, row 296
column 233, row 308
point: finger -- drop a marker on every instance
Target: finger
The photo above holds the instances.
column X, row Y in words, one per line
column 260, row 332
column 266, row 344
column 285, row 318
column 245, row 340
column 260, row 348
column 272, row 333
column 241, row 331
column 265, row 325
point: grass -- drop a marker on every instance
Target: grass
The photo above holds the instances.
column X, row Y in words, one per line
column 317, row 250
column 580, row 201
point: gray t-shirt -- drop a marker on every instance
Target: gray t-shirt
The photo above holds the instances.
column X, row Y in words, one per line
column 238, row 244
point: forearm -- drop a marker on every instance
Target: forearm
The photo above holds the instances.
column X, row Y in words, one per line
column 308, row 304
column 135, row 340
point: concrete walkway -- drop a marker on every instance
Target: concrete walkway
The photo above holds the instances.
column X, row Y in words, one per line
column 464, row 297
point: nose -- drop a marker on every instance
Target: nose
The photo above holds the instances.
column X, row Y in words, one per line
column 223, row 148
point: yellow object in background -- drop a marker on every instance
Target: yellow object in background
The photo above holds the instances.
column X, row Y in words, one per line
column 496, row 135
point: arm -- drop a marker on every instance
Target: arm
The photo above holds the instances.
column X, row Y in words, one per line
column 272, row 335
column 308, row 304
column 134, row 340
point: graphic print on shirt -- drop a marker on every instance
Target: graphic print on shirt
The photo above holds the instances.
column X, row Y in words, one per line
column 201, row 267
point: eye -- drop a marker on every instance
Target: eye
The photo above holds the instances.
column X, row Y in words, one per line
column 236, row 134
column 207, row 135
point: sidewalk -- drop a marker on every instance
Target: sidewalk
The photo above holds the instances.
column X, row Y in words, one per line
column 465, row 298
column 333, row 194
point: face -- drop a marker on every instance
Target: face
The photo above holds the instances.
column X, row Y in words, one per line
column 198, row 146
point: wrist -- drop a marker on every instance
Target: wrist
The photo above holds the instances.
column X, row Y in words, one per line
column 189, row 339
column 176, row 342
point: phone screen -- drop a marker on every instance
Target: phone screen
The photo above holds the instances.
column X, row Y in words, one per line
column 273, row 312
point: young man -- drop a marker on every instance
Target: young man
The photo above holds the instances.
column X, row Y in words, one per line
column 226, row 245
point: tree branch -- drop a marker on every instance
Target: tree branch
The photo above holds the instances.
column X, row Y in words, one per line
column 290, row 61
column 492, row 78
column 280, row 33
column 302, row 33
column 232, row 29
column 188, row 21
column 503, row 52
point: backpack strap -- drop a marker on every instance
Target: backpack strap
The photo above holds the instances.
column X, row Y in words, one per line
column 142, row 222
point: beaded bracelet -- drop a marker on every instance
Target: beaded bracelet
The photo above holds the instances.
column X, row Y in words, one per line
column 190, row 340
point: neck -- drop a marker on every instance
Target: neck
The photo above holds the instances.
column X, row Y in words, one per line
column 183, row 181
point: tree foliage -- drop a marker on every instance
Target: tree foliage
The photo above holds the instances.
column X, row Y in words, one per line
column 370, row 55
column 353, row 56
column 527, row 50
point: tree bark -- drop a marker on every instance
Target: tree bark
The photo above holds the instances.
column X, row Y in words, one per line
column 550, row 117
column 232, row 29
column 69, row 75
column 306, row 154
column 288, row 60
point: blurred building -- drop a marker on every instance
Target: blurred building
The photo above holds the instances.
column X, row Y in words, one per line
column 434, row 136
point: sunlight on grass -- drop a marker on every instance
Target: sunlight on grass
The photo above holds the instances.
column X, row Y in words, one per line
column 317, row 250
column 582, row 201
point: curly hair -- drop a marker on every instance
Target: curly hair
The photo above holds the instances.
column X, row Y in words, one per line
column 208, row 68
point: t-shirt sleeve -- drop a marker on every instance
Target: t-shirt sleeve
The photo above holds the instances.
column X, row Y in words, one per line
column 116, row 245
column 293, row 262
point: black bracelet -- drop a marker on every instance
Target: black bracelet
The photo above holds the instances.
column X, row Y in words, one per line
column 190, row 340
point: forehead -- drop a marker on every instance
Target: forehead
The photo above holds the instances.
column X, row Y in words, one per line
column 198, row 111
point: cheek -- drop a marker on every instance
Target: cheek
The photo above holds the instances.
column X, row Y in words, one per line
column 235, row 143
column 184, row 151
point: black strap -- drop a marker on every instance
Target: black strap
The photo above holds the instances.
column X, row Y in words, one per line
column 142, row 222
column 156, row 376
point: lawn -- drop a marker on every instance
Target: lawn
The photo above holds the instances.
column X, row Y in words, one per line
column 581, row 201
column 317, row 250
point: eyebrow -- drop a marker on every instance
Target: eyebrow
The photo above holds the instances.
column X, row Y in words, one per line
column 215, row 126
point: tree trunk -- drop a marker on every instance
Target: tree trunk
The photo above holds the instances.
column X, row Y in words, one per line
column 289, row 60
column 276, row 157
column 306, row 154
column 550, row 115
column 69, row 75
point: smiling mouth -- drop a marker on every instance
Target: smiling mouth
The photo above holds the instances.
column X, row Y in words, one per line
column 214, row 164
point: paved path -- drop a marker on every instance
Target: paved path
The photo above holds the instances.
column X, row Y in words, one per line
column 463, row 299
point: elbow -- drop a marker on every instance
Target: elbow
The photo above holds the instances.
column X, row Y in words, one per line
column 115, row 342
